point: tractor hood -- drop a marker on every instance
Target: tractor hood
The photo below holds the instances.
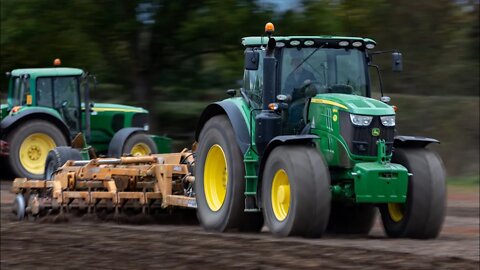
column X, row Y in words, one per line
column 354, row 104
column 108, row 107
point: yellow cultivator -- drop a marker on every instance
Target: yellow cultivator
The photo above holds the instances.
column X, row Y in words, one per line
column 145, row 182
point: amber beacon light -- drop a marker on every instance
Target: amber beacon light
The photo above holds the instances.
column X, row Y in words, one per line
column 57, row 62
column 269, row 28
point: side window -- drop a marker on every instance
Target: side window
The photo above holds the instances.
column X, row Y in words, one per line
column 253, row 81
column 65, row 90
column 44, row 92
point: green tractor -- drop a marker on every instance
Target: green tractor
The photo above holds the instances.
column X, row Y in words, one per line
column 50, row 107
column 306, row 150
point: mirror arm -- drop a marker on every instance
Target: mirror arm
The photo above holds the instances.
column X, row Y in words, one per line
column 379, row 77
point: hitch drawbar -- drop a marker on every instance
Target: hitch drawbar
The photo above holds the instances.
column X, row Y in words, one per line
column 144, row 182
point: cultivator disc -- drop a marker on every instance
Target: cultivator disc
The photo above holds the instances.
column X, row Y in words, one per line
column 125, row 185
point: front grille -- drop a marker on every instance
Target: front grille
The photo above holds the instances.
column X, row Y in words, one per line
column 139, row 120
column 360, row 140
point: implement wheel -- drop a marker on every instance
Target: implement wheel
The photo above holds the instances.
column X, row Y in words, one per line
column 57, row 157
column 220, row 180
column 423, row 214
column 351, row 219
column 29, row 146
column 18, row 207
column 295, row 192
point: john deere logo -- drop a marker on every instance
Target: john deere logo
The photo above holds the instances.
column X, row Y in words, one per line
column 375, row 132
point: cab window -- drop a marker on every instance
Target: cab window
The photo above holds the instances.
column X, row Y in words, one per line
column 253, row 81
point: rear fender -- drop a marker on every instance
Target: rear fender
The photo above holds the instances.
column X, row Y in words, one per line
column 236, row 118
column 10, row 122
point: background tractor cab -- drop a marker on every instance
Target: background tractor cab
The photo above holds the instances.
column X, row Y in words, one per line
column 305, row 147
column 50, row 107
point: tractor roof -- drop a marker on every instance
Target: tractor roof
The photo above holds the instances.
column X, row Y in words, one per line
column 47, row 72
column 259, row 41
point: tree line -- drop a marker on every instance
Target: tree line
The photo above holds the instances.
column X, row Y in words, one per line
column 182, row 49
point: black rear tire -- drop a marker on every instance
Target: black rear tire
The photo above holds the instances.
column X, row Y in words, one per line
column 218, row 134
column 58, row 157
column 424, row 212
column 308, row 192
column 20, row 134
column 351, row 219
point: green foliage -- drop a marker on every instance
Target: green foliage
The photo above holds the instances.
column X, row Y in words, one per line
column 153, row 52
column 465, row 181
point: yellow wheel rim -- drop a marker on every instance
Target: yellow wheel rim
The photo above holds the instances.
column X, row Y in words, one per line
column 396, row 211
column 140, row 149
column 34, row 150
column 280, row 195
column 215, row 177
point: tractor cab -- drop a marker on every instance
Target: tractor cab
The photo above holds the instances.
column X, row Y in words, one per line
column 52, row 88
column 305, row 67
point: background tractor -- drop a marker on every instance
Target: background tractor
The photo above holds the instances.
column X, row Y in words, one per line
column 50, row 107
column 305, row 148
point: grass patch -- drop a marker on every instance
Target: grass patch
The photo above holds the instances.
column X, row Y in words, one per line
column 464, row 181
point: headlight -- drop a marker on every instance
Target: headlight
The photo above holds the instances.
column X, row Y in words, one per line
column 361, row 120
column 388, row 121
column 146, row 127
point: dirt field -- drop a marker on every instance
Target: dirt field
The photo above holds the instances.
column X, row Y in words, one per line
column 108, row 245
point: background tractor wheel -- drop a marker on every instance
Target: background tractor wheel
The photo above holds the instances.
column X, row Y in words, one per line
column 220, row 180
column 423, row 214
column 57, row 157
column 351, row 219
column 295, row 191
column 29, row 146
column 139, row 144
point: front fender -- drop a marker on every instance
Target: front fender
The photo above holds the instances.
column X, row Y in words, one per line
column 413, row 141
column 116, row 144
column 275, row 142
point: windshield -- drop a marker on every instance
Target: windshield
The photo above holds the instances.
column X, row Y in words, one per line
column 328, row 70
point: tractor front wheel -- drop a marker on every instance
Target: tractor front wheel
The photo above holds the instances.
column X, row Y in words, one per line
column 29, row 146
column 423, row 214
column 139, row 144
column 295, row 192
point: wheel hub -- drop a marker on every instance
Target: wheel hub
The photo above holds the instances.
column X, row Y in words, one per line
column 280, row 195
column 396, row 211
column 140, row 149
column 34, row 150
column 215, row 177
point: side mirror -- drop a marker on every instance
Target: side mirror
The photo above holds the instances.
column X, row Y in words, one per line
column 251, row 59
column 397, row 64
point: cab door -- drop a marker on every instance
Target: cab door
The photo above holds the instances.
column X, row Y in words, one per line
column 62, row 94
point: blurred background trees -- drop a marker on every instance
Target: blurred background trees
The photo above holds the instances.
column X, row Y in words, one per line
column 174, row 57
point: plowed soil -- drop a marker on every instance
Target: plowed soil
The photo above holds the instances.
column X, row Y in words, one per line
column 165, row 244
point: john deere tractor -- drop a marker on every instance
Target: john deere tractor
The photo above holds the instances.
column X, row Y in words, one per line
column 49, row 107
column 304, row 148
